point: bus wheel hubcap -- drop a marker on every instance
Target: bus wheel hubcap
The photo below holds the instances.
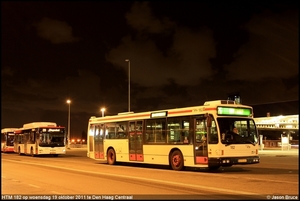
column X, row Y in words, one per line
column 176, row 160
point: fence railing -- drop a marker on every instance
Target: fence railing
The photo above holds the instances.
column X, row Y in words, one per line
column 277, row 143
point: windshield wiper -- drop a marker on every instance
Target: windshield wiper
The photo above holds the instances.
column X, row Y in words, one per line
column 227, row 143
column 248, row 141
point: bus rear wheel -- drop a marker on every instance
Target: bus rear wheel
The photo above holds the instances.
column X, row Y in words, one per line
column 111, row 157
column 176, row 160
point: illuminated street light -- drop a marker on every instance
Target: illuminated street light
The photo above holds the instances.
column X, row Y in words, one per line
column 69, row 118
column 127, row 60
column 102, row 110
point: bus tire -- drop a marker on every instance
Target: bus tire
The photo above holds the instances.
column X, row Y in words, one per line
column 176, row 160
column 19, row 150
column 213, row 168
column 111, row 156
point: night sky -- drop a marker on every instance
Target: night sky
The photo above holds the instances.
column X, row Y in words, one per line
column 181, row 54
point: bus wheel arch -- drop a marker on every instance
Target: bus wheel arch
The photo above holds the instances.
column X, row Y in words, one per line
column 111, row 156
column 176, row 160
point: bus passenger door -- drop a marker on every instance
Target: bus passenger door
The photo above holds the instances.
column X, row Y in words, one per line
column 200, row 141
column 26, row 139
column 99, row 135
column 136, row 141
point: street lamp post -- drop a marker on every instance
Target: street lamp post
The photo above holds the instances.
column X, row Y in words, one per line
column 127, row 60
column 102, row 110
column 69, row 118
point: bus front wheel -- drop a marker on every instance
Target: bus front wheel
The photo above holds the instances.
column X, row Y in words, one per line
column 176, row 160
column 111, row 157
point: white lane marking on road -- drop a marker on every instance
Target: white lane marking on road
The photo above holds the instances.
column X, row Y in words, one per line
column 34, row 186
column 55, row 192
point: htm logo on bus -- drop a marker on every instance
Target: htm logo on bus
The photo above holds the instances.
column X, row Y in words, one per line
column 7, row 197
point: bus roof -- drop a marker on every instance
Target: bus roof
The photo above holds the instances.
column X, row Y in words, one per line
column 4, row 130
column 218, row 102
column 207, row 107
column 18, row 131
column 39, row 124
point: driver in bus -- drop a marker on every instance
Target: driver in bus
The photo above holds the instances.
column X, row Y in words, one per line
column 235, row 134
column 231, row 134
column 235, row 130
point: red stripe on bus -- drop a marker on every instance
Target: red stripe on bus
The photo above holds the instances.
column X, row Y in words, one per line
column 178, row 112
column 123, row 117
column 210, row 108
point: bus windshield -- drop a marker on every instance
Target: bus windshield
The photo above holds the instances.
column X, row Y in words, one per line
column 237, row 131
column 10, row 139
column 56, row 139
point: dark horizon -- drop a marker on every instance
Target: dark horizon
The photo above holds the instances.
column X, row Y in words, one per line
column 197, row 51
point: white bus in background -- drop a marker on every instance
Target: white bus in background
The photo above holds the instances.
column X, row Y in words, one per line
column 7, row 139
column 198, row 136
column 40, row 138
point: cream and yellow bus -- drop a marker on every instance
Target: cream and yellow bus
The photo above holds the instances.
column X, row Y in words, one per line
column 198, row 136
column 40, row 138
column 7, row 140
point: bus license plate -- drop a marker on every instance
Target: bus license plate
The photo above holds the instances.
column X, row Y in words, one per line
column 242, row 160
column 52, row 152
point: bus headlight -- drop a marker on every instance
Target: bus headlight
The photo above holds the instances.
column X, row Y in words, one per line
column 256, row 160
column 226, row 161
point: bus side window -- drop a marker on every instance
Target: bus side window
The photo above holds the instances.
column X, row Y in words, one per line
column 121, row 131
column 32, row 134
column 161, row 131
column 186, row 131
column 149, row 131
column 213, row 139
column 110, row 131
column 178, row 130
